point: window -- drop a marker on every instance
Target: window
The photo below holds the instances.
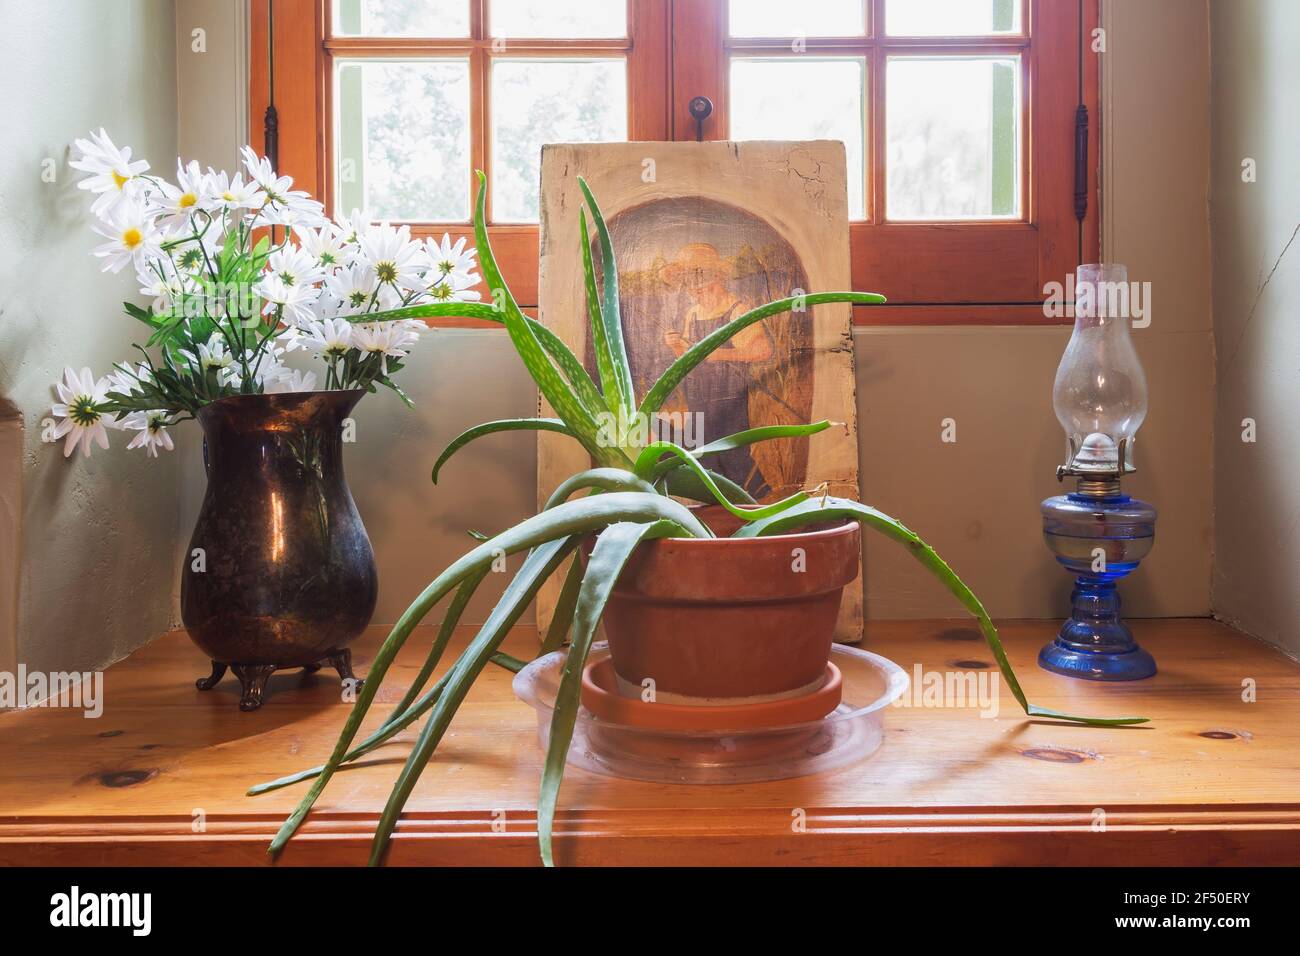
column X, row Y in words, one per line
column 958, row 116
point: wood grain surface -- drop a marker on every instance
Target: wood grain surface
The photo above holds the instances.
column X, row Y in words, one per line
column 160, row 777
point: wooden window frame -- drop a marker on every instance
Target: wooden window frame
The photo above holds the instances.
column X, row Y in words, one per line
column 305, row 46
column 935, row 273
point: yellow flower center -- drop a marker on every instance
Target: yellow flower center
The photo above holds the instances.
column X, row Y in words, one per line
column 119, row 179
column 132, row 238
column 187, row 200
column 228, row 196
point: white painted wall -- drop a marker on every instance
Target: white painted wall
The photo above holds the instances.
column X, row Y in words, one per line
column 95, row 543
column 1256, row 101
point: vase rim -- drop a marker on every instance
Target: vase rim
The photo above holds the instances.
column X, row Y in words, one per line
column 280, row 396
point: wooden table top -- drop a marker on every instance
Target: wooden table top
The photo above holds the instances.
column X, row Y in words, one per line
column 160, row 777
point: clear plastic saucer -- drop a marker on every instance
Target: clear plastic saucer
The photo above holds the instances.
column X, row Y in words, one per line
column 851, row 732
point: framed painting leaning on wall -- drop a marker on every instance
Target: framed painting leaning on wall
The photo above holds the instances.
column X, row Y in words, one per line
column 704, row 232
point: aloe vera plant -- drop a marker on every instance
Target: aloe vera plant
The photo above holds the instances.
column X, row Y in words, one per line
column 627, row 497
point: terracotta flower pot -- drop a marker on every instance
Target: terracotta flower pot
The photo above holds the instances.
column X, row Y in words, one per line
column 722, row 620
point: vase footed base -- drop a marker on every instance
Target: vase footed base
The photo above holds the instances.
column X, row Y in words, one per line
column 253, row 677
column 1062, row 658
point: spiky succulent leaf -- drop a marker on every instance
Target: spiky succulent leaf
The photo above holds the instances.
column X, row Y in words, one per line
column 609, row 378
column 604, row 479
column 574, row 517
column 550, row 383
column 538, row 566
column 491, row 428
column 684, row 483
column 614, row 546
column 701, row 350
column 649, row 458
column 610, row 308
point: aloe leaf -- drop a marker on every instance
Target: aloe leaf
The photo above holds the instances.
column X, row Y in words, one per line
column 649, row 458
column 609, row 383
column 610, row 310
column 606, row 479
column 684, row 483
column 445, row 632
column 574, row 517
column 750, row 436
column 562, row 616
column 508, row 661
column 549, row 382
column 613, row 548
column 518, row 595
column 491, row 428
column 431, row 310
column 697, row 353
column 833, row 509
column 573, row 370
column 541, row 563
column 553, row 345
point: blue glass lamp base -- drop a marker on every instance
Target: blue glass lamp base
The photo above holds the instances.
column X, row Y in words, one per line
column 1060, row 657
column 1101, row 539
column 1094, row 643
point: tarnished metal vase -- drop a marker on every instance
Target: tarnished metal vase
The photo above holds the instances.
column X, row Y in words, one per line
column 279, row 572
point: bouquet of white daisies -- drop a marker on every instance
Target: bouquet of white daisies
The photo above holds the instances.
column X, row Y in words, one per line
column 240, row 272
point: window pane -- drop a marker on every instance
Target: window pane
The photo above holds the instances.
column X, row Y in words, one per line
column 933, row 18
column 538, row 101
column 953, row 138
column 403, row 139
column 806, row 18
column 402, row 18
column 804, row 98
column 557, row 18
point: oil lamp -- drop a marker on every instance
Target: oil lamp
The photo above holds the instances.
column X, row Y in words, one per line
column 1097, row 532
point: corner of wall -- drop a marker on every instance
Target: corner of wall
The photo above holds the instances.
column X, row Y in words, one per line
column 11, row 510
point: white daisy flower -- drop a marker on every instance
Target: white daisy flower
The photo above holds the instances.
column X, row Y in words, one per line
column 78, row 410
column 455, row 287
column 332, row 338
column 131, row 234
column 282, row 204
column 294, row 266
column 447, row 258
column 214, row 355
column 326, row 246
column 291, row 380
column 353, row 287
column 396, row 259
column 162, row 292
column 353, row 226
column 232, row 194
column 113, row 176
column 385, row 339
column 296, row 300
column 152, row 428
column 177, row 203
column 126, row 381
column 193, row 256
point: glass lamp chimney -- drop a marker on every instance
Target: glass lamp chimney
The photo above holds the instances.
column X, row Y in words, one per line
column 1100, row 395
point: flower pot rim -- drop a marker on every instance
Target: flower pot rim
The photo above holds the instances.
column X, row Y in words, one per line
column 845, row 527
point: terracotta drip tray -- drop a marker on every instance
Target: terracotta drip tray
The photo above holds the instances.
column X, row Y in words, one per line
column 612, row 737
column 601, row 697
